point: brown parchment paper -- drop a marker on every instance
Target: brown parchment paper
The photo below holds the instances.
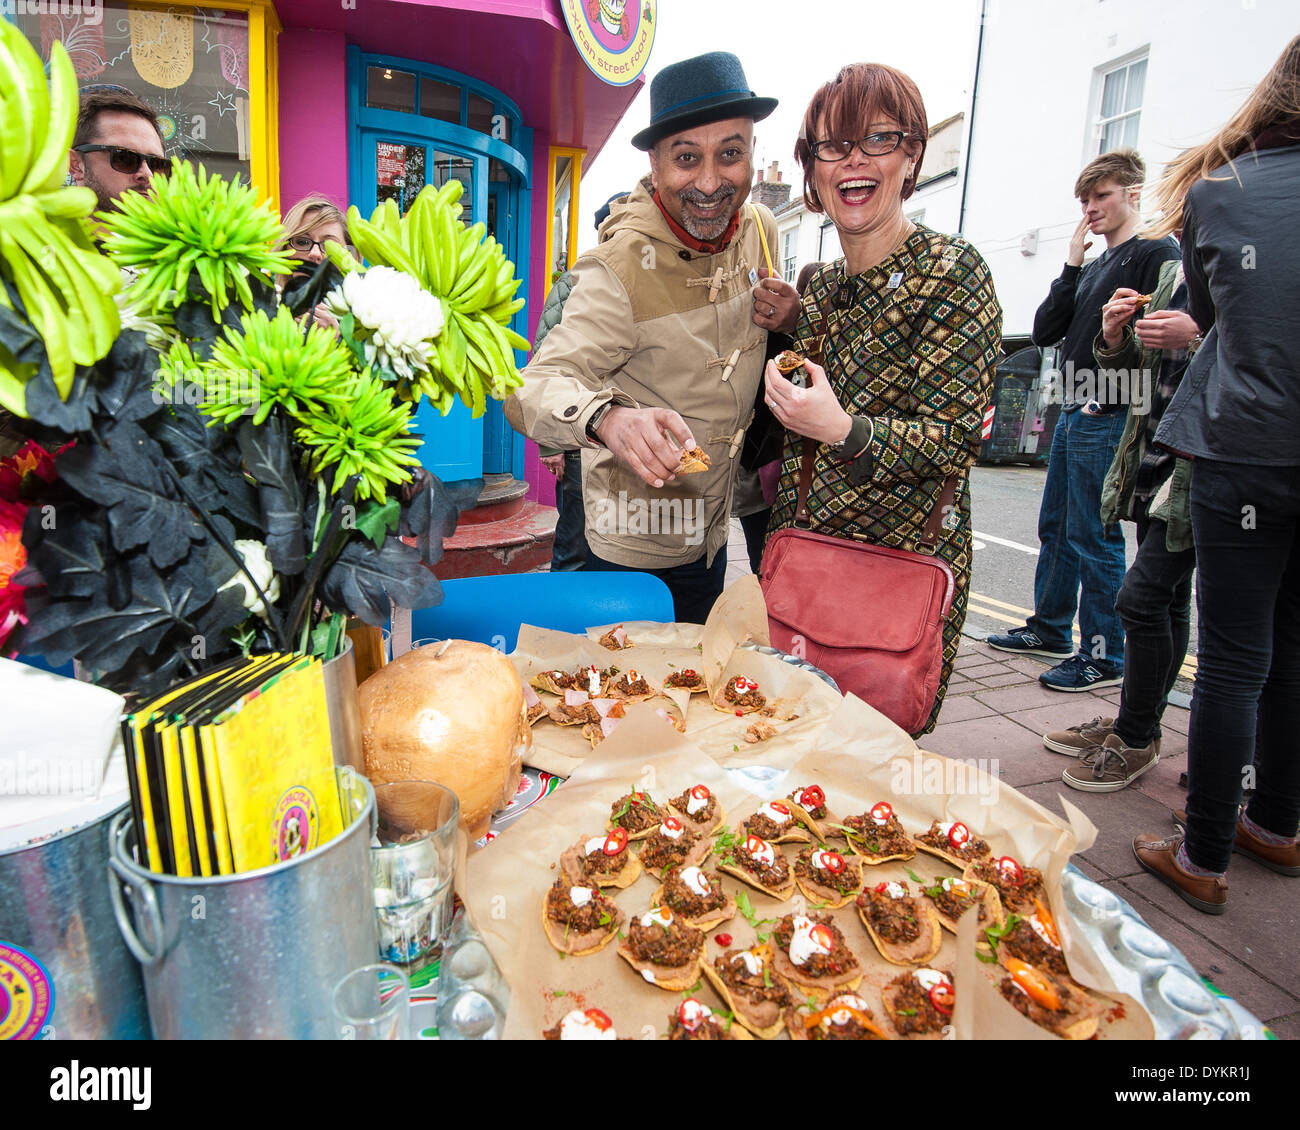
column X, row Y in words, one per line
column 507, row 881
column 858, row 758
column 660, row 649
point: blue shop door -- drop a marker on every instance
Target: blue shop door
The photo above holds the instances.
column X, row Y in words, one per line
column 397, row 166
column 503, row 447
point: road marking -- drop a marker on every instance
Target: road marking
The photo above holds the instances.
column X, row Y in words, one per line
column 1009, row 544
column 994, row 615
column 1003, row 604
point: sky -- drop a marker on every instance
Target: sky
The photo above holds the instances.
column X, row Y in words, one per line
column 788, row 49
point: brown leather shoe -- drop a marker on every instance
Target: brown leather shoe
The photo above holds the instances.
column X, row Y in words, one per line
column 1282, row 858
column 1156, row 855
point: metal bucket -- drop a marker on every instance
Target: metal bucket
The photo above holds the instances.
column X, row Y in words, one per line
column 257, row 955
column 54, row 904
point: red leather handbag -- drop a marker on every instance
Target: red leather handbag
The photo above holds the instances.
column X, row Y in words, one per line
column 869, row 616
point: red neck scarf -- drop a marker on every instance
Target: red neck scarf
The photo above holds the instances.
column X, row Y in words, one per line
column 689, row 240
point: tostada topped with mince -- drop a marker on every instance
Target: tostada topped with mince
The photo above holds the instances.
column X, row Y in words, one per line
column 811, row 952
column 672, row 844
column 877, row 835
column 904, row 929
column 920, row 1002
column 952, row 897
column 844, row 1017
column 695, row 1020
column 775, row 821
column 687, row 679
column 582, row 1024
column 758, row 862
column 665, row 949
column 636, row 813
column 696, row 896
column 755, row 993
column 605, row 860
column 827, row 876
column 1017, row 886
column 699, row 808
column 739, row 695
column 578, row 919
column 954, row 841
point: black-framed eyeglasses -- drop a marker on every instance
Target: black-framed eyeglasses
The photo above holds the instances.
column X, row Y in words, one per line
column 873, row 145
column 306, row 243
column 127, row 161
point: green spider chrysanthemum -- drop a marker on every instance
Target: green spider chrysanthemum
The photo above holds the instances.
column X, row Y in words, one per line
column 193, row 223
column 366, row 434
column 271, row 363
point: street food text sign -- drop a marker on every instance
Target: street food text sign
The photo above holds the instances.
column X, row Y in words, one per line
column 613, row 37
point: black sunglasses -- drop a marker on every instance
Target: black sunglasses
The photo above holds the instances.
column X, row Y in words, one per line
column 873, row 145
column 127, row 161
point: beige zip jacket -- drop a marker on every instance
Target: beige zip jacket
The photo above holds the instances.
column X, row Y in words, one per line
column 652, row 324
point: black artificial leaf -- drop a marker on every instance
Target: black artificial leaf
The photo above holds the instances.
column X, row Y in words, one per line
column 194, row 320
column 45, row 406
column 264, row 296
column 67, row 546
column 268, row 458
column 307, row 288
column 122, row 383
column 125, row 473
column 208, row 462
column 145, row 675
column 363, row 579
column 434, row 510
column 17, row 334
column 103, row 637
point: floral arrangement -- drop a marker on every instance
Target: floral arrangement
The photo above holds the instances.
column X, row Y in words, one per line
column 226, row 476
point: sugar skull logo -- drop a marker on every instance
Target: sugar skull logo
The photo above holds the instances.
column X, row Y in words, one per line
column 611, row 15
column 295, row 824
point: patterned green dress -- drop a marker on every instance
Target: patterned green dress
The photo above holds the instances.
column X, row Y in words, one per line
column 912, row 343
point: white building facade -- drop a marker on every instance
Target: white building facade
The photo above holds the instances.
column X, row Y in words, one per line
column 1059, row 83
column 1056, row 83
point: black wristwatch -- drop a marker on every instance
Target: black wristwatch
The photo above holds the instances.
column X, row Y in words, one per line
column 593, row 421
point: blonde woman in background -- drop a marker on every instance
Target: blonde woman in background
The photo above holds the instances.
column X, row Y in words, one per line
column 308, row 226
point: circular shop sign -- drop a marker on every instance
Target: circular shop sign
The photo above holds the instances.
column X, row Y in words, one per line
column 26, row 994
column 613, row 37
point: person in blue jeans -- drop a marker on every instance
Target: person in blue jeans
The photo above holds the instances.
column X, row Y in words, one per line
column 1081, row 563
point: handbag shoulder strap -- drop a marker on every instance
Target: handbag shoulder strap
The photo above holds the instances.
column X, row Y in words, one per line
column 932, row 531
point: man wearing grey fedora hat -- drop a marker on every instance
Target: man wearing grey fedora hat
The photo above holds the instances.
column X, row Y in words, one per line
column 663, row 339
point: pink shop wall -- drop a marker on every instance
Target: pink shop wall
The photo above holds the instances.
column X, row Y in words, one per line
column 313, row 115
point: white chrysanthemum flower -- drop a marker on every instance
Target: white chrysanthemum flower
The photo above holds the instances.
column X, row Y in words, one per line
column 401, row 317
column 254, row 557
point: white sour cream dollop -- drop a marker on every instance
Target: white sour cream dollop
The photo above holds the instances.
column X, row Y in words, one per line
column 803, row 945
column 696, row 880
column 580, row 896
column 579, row 1026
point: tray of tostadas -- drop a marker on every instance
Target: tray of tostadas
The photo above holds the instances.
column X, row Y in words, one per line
column 872, row 891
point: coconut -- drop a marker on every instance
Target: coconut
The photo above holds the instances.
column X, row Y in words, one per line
column 452, row 713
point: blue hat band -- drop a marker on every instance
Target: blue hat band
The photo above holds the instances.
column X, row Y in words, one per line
column 699, row 98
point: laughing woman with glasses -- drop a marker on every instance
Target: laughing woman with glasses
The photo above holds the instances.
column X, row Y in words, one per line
column 311, row 223
column 908, row 328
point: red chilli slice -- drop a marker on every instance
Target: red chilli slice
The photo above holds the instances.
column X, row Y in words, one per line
column 701, row 792
column 599, row 1019
column 958, row 834
column 812, row 797
column 833, row 862
column 881, row 811
column 615, row 842
column 1010, row 870
column 942, row 997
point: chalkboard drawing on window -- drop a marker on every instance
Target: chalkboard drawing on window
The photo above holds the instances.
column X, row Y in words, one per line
column 190, row 64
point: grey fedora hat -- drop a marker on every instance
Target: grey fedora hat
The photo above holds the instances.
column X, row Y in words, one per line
column 694, row 92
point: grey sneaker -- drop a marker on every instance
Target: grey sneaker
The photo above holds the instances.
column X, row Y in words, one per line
column 1079, row 740
column 1111, row 766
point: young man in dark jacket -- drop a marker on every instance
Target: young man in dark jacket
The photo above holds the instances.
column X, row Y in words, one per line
column 1076, row 549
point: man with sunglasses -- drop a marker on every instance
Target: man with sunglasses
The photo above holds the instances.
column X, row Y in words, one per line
column 118, row 145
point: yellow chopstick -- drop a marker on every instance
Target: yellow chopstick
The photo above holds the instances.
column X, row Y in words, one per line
column 762, row 237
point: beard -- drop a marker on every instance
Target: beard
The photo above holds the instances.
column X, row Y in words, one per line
column 106, row 202
column 706, row 230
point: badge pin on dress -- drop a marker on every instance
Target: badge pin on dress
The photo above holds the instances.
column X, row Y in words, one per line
column 895, row 281
column 753, row 277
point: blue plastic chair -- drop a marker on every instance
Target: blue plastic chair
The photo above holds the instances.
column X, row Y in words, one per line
column 490, row 609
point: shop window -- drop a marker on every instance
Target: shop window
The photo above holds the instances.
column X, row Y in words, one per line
column 483, row 118
column 400, row 172
column 190, row 63
column 439, row 100
column 387, row 89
